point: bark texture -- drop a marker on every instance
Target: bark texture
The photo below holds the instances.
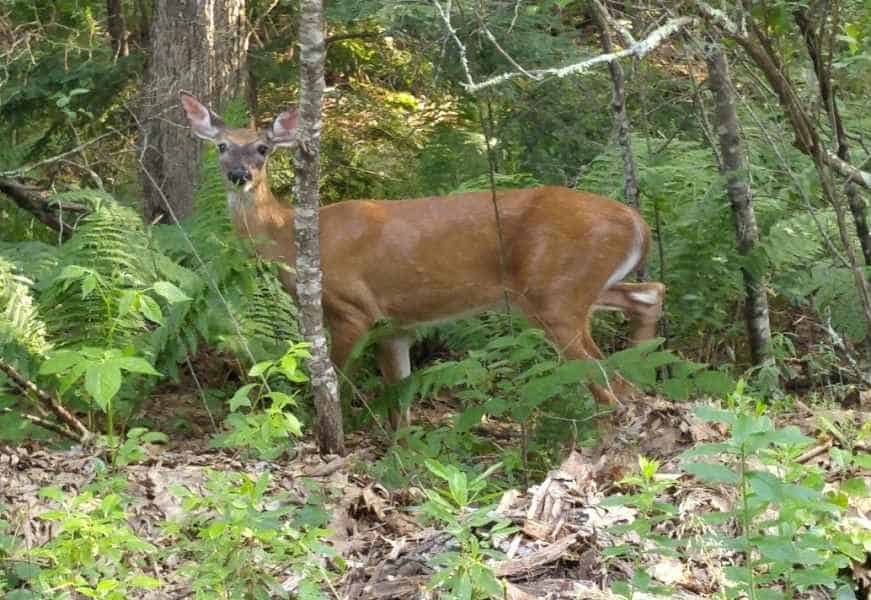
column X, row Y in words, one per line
column 734, row 168
column 307, row 228
column 199, row 46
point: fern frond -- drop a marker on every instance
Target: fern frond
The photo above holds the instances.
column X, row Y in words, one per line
column 112, row 242
column 19, row 318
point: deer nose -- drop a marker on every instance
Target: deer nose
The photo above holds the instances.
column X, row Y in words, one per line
column 239, row 176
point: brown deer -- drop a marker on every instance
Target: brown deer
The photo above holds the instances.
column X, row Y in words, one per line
column 418, row 261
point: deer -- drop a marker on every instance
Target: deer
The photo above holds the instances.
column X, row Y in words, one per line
column 558, row 255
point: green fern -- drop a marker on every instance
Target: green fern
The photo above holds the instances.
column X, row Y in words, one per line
column 110, row 242
column 20, row 324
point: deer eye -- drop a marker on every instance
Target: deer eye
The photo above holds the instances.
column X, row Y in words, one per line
column 263, row 149
column 222, row 147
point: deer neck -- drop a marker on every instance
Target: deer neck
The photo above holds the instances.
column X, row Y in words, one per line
column 258, row 215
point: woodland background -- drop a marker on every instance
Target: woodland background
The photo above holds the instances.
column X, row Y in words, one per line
column 131, row 317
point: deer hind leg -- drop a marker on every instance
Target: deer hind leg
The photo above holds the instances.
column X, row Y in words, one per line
column 395, row 365
column 570, row 333
column 640, row 302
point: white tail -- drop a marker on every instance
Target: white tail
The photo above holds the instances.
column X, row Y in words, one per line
column 438, row 258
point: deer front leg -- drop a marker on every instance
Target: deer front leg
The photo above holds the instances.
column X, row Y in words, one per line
column 394, row 362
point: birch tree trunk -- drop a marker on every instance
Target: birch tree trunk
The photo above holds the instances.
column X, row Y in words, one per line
column 734, row 169
column 306, row 228
column 199, row 46
column 618, row 106
column 621, row 120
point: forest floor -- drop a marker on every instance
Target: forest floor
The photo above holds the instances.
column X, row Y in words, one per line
column 564, row 524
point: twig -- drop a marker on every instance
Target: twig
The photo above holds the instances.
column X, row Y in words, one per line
column 813, row 452
column 52, row 159
column 639, row 50
column 46, row 424
column 26, row 386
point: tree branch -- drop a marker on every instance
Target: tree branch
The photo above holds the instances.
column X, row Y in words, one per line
column 49, row 402
column 639, row 49
column 35, row 202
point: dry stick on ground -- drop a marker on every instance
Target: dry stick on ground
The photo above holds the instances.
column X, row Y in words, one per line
column 49, row 402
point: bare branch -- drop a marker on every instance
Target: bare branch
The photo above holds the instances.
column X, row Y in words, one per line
column 48, row 401
column 639, row 49
column 24, row 169
column 464, row 60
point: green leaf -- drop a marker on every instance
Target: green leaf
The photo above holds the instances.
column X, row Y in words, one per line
column 862, row 460
column 89, row 284
column 144, row 582
column 127, row 302
column 155, row 437
column 711, row 473
column 714, row 383
column 169, row 291
column 102, row 382
column 135, row 364
column 151, row 309
column 260, row 368
column 855, row 487
column 59, row 361
column 240, row 398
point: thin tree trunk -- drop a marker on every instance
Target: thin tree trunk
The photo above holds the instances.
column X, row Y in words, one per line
column 621, row 120
column 830, row 104
column 117, row 27
column 807, row 138
column 306, row 228
column 199, row 46
column 734, row 169
column 618, row 106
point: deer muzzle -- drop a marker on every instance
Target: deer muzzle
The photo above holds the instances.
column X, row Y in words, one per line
column 239, row 176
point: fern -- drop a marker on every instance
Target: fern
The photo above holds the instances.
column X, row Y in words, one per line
column 37, row 259
column 20, row 325
column 111, row 242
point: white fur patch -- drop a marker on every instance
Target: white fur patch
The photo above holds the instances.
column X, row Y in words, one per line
column 649, row 298
column 232, row 200
column 632, row 257
column 398, row 348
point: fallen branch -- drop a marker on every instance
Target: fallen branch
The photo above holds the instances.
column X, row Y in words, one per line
column 46, row 424
column 49, row 402
column 34, row 201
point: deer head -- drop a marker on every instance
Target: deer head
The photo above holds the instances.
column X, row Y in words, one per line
column 243, row 153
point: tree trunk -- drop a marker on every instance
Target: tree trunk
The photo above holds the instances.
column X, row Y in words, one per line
column 117, row 27
column 306, row 227
column 621, row 120
column 199, row 46
column 830, row 105
column 734, row 169
column 618, row 106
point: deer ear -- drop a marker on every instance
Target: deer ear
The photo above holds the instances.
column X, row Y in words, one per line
column 284, row 129
column 203, row 123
